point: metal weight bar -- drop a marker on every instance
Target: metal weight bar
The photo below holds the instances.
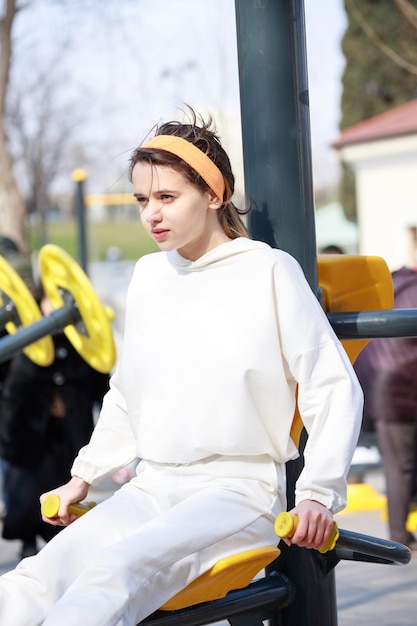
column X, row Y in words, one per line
column 68, row 314
column 78, row 312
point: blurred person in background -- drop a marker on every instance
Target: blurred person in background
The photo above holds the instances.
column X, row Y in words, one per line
column 387, row 371
column 46, row 415
column 21, row 263
column 332, row 248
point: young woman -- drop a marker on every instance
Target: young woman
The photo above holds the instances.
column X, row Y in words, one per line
column 219, row 332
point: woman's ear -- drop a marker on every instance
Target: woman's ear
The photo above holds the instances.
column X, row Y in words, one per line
column 214, row 202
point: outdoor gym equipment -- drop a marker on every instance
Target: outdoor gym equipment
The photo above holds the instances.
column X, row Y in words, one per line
column 19, row 308
column 269, row 597
column 226, row 590
column 78, row 311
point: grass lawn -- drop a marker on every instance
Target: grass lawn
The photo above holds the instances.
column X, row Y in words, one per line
column 129, row 236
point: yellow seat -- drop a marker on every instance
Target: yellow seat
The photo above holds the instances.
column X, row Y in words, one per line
column 232, row 572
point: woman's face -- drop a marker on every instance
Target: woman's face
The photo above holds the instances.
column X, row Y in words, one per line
column 176, row 213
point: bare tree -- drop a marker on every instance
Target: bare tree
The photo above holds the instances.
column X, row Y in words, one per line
column 37, row 126
column 12, row 206
column 43, row 127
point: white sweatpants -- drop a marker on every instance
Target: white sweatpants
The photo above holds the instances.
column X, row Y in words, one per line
column 126, row 557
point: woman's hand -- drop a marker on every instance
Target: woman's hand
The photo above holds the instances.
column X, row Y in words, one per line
column 73, row 491
column 315, row 523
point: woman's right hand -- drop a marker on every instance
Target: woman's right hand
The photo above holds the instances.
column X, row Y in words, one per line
column 73, row 491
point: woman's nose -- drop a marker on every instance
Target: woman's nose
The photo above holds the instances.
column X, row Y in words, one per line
column 154, row 211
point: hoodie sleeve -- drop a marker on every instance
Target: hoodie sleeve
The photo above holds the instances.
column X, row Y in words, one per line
column 330, row 399
column 112, row 444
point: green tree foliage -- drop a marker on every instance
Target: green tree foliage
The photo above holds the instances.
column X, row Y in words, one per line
column 380, row 47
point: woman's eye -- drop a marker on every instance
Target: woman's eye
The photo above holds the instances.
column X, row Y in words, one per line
column 166, row 197
column 142, row 202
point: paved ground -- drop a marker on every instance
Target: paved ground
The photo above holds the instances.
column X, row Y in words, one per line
column 370, row 594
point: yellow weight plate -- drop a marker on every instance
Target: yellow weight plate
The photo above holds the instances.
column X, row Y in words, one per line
column 59, row 271
column 42, row 351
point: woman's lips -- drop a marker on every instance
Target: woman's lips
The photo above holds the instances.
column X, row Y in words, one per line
column 160, row 234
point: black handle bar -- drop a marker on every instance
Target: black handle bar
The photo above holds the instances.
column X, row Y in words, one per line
column 353, row 546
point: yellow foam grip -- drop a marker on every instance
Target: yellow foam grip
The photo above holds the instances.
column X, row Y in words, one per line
column 286, row 525
column 50, row 506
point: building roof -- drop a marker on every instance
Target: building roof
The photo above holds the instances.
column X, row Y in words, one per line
column 393, row 123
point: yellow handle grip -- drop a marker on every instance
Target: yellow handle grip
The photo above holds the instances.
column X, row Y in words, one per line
column 286, row 525
column 50, row 506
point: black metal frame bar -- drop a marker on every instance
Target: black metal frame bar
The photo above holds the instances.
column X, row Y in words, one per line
column 373, row 324
column 257, row 602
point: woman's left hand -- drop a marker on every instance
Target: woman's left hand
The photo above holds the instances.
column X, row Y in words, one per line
column 315, row 523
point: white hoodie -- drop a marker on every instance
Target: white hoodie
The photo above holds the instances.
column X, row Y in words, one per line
column 213, row 352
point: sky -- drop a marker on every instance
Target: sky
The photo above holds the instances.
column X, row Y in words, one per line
column 128, row 64
column 326, row 23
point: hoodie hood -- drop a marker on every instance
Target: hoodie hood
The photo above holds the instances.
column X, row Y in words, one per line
column 219, row 253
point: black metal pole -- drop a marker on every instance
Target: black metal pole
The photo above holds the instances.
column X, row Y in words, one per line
column 79, row 177
column 278, row 180
column 276, row 127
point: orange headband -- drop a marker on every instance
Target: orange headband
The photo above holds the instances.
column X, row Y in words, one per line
column 192, row 155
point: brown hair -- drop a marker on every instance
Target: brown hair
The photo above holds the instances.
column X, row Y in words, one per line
column 201, row 134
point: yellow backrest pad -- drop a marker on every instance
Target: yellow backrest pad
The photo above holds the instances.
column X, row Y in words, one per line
column 351, row 283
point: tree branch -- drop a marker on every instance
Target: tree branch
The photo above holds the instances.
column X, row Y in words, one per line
column 377, row 41
column 408, row 11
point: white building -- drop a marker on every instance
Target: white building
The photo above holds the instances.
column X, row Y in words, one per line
column 382, row 151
